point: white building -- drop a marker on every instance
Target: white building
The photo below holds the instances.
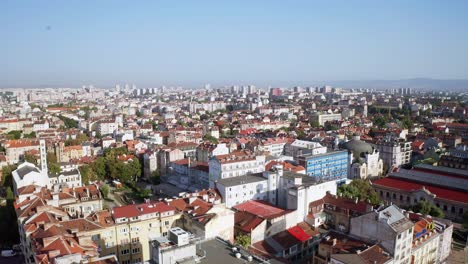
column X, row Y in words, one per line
column 285, row 189
column 107, row 127
column 28, row 174
column 322, row 118
column 40, row 125
column 394, row 152
column 302, row 147
column 389, row 226
column 69, row 176
column 237, row 163
column 275, row 146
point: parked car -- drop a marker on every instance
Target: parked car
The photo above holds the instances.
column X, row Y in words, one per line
column 8, row 253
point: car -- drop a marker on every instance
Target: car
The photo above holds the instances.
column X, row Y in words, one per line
column 8, row 253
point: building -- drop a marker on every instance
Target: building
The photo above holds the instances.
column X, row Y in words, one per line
column 274, row 146
column 391, row 227
column 205, row 216
column 364, row 159
column 322, row 118
column 236, row 190
column 336, row 212
column 150, row 163
column 260, row 220
column 40, row 125
column 326, row 166
column 107, row 127
column 339, row 248
column 301, row 147
column 237, row 163
column 136, row 225
column 394, row 152
column 15, row 149
column 178, row 246
column 207, row 150
column 446, row 188
column 69, row 176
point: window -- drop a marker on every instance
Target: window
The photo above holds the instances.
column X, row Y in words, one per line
column 164, row 234
column 123, row 230
column 109, row 244
column 124, row 241
column 125, row 251
column 453, row 209
column 135, row 239
column 135, row 250
column 166, row 223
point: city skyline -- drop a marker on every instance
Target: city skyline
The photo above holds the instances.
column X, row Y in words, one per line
column 263, row 43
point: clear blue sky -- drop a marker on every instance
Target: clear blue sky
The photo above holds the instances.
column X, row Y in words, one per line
column 150, row 43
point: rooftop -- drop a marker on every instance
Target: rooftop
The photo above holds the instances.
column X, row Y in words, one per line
column 261, row 209
column 233, row 181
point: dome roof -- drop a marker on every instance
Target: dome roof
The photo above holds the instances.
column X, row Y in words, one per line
column 357, row 147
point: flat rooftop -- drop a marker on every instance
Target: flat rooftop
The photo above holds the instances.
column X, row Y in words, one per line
column 217, row 252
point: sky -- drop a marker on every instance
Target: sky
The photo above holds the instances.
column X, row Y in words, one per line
column 152, row 43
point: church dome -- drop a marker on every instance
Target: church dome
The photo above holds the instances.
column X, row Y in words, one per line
column 357, row 147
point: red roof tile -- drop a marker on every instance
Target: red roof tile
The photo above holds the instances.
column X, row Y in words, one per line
column 410, row 186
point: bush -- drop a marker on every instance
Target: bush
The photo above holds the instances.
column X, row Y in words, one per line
column 243, row 240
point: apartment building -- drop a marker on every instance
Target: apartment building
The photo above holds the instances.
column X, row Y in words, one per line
column 391, row 227
column 207, row 150
column 394, row 152
column 301, row 147
column 274, row 146
column 15, row 149
column 237, row 163
column 331, row 165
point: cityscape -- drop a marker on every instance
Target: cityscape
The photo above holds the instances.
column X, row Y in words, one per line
column 227, row 159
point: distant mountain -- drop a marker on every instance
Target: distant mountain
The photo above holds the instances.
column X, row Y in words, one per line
column 417, row 83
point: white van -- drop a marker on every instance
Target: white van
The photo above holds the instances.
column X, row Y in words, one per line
column 8, row 253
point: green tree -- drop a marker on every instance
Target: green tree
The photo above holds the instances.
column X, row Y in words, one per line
column 14, row 134
column 210, row 138
column 427, row 208
column 7, row 176
column 99, row 167
column 69, row 123
column 9, row 194
column 30, row 135
column 155, row 177
column 87, row 174
column 360, row 189
column 314, row 123
column 105, row 190
column 30, row 158
column 54, row 168
column 243, row 240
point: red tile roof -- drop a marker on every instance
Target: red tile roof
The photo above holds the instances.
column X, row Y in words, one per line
column 261, row 209
column 411, row 186
column 299, row 234
column 134, row 210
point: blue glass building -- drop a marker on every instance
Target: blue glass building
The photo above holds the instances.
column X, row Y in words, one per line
column 332, row 165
